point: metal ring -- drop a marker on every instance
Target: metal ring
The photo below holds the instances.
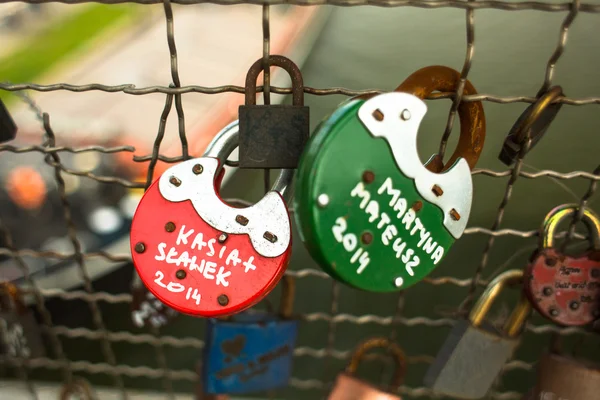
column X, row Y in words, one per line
column 397, row 353
column 558, row 214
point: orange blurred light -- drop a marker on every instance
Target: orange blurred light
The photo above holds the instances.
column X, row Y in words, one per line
column 26, row 187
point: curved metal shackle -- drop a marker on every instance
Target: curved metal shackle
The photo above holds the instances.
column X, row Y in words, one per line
column 558, row 214
column 373, row 343
column 227, row 140
column 535, row 113
column 517, row 318
column 279, row 61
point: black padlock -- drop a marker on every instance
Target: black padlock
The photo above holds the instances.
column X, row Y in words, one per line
column 273, row 136
column 8, row 129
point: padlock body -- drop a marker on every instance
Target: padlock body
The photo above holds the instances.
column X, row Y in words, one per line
column 251, row 352
column 8, row 129
column 563, row 378
column 565, row 289
column 348, row 387
column 272, row 136
column 201, row 256
column 20, row 335
column 355, row 208
column 469, row 361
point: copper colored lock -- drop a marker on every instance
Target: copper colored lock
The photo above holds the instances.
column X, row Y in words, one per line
column 349, row 387
column 564, row 378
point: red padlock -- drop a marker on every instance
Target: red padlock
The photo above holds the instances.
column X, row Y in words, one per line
column 198, row 254
column 562, row 288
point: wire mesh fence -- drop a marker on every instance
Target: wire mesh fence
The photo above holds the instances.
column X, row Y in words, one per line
column 332, row 319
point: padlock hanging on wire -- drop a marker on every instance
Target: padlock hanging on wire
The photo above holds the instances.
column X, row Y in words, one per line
column 273, row 136
column 201, row 256
column 369, row 212
column 475, row 352
column 251, row 351
column 563, row 288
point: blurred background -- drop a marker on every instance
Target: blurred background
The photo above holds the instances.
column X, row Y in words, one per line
column 352, row 47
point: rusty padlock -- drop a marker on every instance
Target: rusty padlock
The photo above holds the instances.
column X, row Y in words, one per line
column 561, row 377
column 349, row 387
column 474, row 353
column 563, row 288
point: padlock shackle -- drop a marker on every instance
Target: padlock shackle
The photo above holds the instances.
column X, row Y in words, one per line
column 516, row 320
column 559, row 214
column 288, row 291
column 439, row 78
column 279, row 61
column 379, row 342
column 541, row 104
column 227, row 140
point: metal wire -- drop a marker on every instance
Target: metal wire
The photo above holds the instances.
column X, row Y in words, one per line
column 333, row 318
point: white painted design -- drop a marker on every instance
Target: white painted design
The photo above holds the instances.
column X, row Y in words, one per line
column 269, row 214
column 401, row 135
column 323, row 200
column 399, row 281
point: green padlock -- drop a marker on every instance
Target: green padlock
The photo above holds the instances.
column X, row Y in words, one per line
column 369, row 212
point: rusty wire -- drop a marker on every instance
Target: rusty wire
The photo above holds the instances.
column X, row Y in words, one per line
column 173, row 93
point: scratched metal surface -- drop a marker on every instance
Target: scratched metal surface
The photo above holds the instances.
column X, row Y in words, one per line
column 509, row 54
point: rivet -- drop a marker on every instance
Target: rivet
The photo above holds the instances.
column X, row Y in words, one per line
column 169, row 226
column 140, row 247
column 595, row 273
column 547, row 291
column 175, row 181
column 366, row 237
column 437, row 190
column 454, row 214
column 405, row 115
column 368, row 176
column 322, row 200
column 551, row 261
column 197, row 169
column 398, row 282
column 271, row 237
column 223, row 300
column 378, row 115
column 222, row 237
column 554, row 312
column 180, row 274
column 417, row 206
column 574, row 305
column 240, row 219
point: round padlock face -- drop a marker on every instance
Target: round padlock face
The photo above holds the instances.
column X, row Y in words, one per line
column 565, row 289
column 368, row 210
column 200, row 256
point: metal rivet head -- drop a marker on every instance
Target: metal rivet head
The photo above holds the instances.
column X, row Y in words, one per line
column 271, row 237
column 417, row 206
column 378, row 115
column 551, row 261
column 223, row 300
column 454, row 215
column 574, row 305
column 222, row 237
column 398, row 281
column 240, row 219
column 175, row 181
column 547, row 291
column 366, row 237
column 368, row 176
column 595, row 273
column 169, row 226
column 405, row 115
column 197, row 169
column 437, row 190
column 180, row 274
column 140, row 247
column 322, row 200
column 554, row 312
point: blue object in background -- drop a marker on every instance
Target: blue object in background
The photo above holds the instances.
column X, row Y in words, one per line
column 249, row 353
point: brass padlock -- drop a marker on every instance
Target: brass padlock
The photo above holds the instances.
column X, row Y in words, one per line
column 349, row 387
column 475, row 352
column 564, row 378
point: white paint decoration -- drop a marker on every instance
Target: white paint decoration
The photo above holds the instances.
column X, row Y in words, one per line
column 268, row 215
column 401, row 135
